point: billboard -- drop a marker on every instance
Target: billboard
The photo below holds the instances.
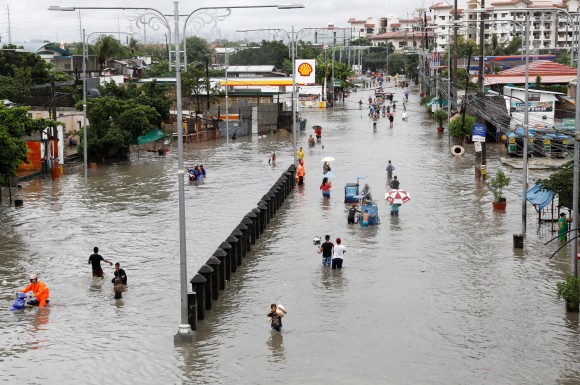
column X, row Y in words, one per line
column 547, row 106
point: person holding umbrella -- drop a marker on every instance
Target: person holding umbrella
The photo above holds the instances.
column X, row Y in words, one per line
column 396, row 198
column 325, row 167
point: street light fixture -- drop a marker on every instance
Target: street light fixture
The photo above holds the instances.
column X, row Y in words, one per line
column 576, row 182
column 184, row 332
column 292, row 36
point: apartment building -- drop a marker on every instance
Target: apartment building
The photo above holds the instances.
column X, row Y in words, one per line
column 549, row 29
column 402, row 33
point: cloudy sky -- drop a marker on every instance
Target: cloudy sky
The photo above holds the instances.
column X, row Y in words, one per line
column 30, row 20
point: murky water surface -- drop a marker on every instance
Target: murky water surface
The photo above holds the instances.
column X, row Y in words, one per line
column 435, row 296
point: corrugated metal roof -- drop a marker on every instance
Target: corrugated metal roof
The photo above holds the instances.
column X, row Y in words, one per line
column 540, row 67
column 550, row 72
column 252, row 69
column 554, row 79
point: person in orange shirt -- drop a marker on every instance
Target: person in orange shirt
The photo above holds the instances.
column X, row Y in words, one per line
column 39, row 289
column 300, row 173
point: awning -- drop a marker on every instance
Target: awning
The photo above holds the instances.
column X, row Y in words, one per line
column 151, row 136
column 538, row 197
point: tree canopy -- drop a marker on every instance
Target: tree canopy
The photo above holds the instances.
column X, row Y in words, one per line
column 561, row 183
column 11, row 61
column 14, row 124
column 120, row 115
column 268, row 52
column 108, row 47
column 197, row 49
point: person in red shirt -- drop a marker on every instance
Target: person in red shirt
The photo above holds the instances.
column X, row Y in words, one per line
column 325, row 187
column 39, row 289
column 318, row 132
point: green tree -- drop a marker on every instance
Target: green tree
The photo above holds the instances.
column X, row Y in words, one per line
column 457, row 127
column 561, row 183
column 160, row 70
column 115, row 123
column 133, row 45
column 509, row 48
column 197, row 49
column 108, row 47
column 11, row 60
column 563, row 57
column 268, row 53
column 193, row 83
column 14, row 124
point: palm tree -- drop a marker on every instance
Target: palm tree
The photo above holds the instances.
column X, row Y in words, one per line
column 107, row 47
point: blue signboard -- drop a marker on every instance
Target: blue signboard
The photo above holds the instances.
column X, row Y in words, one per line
column 478, row 132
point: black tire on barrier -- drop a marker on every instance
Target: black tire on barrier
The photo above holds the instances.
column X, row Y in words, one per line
column 457, row 150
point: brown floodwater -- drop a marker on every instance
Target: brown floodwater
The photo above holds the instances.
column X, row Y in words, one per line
column 434, row 296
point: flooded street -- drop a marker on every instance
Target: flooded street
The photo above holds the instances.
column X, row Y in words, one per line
column 434, row 296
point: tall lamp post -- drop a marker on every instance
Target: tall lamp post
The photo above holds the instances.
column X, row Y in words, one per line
column 292, row 36
column 153, row 15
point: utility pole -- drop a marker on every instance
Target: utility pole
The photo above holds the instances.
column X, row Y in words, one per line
column 480, row 156
column 9, row 27
column 455, row 46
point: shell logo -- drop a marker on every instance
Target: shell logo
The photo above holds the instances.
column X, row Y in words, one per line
column 305, row 69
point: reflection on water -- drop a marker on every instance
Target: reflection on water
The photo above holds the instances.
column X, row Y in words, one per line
column 276, row 346
column 439, row 284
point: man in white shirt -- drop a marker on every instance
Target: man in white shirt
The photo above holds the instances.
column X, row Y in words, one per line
column 338, row 254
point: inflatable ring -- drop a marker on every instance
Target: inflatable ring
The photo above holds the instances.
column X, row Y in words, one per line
column 457, row 150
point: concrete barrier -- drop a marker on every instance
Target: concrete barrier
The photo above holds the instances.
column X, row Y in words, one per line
column 253, row 218
column 198, row 287
column 247, row 233
column 222, row 255
column 214, row 263
column 263, row 207
column 234, row 243
column 192, row 310
column 240, row 247
column 259, row 220
column 214, row 274
column 267, row 199
column 207, row 273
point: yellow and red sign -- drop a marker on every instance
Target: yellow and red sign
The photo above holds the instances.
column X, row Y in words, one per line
column 305, row 71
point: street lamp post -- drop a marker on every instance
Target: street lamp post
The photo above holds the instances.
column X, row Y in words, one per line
column 184, row 332
column 292, row 37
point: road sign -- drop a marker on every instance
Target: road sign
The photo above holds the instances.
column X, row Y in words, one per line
column 477, row 146
column 478, row 132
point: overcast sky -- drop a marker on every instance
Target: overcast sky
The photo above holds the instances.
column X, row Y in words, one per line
column 30, row 20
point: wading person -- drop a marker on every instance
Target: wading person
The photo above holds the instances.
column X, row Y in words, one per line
column 352, row 214
column 275, row 316
column 119, row 273
column 326, row 250
column 338, row 254
column 95, row 260
column 563, row 227
column 325, row 187
column 395, row 183
column 39, row 289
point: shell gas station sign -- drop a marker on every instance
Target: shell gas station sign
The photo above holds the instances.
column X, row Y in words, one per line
column 305, row 71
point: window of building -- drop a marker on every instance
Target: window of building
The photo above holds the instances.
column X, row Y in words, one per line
column 443, row 17
column 67, row 66
column 504, row 15
column 533, row 97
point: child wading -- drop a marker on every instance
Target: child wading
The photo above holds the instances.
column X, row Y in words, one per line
column 275, row 316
